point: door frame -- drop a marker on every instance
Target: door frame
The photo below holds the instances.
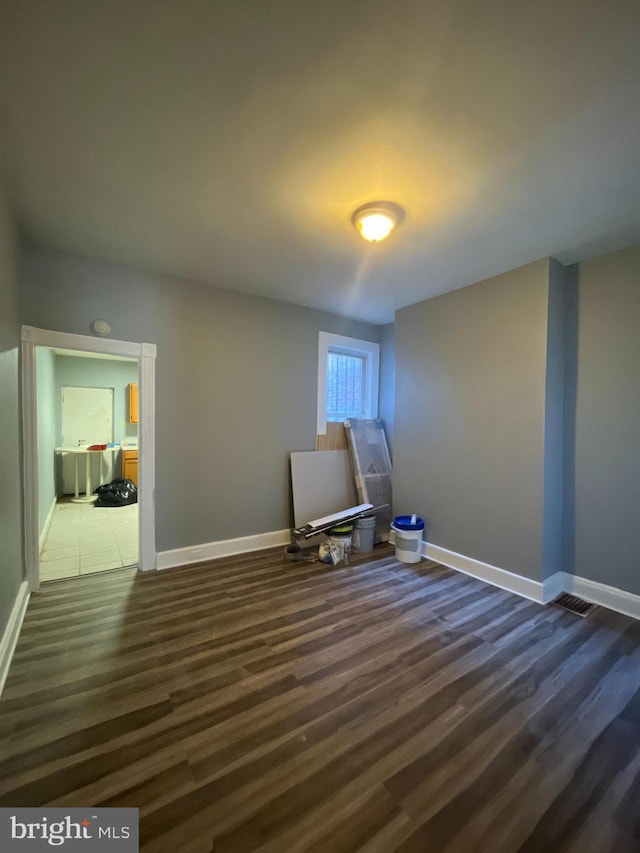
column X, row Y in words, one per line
column 32, row 337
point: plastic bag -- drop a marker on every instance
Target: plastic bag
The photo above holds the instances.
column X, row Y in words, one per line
column 117, row 493
column 328, row 553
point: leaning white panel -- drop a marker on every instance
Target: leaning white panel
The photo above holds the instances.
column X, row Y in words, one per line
column 322, row 483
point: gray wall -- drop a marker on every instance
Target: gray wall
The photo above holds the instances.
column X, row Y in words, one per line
column 469, row 435
column 236, row 385
column 11, row 570
column 607, row 421
column 553, row 531
column 47, row 441
column 386, row 403
column 569, row 417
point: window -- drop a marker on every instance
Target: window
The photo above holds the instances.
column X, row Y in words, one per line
column 347, row 379
column 345, row 386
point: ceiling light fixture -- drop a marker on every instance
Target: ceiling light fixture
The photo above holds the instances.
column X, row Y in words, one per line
column 377, row 219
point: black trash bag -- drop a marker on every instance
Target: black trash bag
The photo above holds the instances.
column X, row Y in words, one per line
column 117, row 493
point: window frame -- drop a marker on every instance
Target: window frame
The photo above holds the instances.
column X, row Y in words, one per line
column 343, row 345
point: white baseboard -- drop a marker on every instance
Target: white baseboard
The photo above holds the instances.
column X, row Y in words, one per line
column 600, row 593
column 525, row 587
column 222, row 548
column 12, row 632
column 554, row 586
column 47, row 524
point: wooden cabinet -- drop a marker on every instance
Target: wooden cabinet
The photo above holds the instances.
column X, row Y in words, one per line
column 133, row 402
column 130, row 465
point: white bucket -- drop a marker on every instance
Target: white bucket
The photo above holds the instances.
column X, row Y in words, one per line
column 408, row 541
column 363, row 535
column 343, row 544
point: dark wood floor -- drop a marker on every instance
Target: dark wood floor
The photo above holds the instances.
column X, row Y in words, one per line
column 252, row 704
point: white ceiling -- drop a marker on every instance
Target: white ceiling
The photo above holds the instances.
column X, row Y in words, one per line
column 228, row 141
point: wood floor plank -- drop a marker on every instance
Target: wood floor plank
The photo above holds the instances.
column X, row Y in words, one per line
column 251, row 704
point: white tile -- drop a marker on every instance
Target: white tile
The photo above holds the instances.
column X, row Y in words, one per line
column 125, row 535
column 63, row 522
column 130, row 550
column 66, row 567
column 101, row 567
column 100, row 558
column 102, row 535
column 61, row 518
column 128, row 547
column 65, row 541
column 91, row 531
column 63, row 532
column 88, row 548
column 85, row 539
column 58, row 575
column 63, row 527
column 129, row 556
column 124, row 512
column 92, row 547
column 49, row 554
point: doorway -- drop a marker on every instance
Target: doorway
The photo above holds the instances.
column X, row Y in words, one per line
column 86, row 431
column 61, row 474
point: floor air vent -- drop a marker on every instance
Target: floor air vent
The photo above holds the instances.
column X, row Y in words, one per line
column 574, row 604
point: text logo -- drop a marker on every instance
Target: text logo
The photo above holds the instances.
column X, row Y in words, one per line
column 69, row 829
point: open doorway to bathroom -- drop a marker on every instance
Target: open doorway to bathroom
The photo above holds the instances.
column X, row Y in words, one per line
column 87, row 407
column 50, row 491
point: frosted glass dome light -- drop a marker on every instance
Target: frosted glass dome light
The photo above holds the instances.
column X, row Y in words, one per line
column 376, row 220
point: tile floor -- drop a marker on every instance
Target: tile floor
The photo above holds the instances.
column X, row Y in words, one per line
column 83, row 539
